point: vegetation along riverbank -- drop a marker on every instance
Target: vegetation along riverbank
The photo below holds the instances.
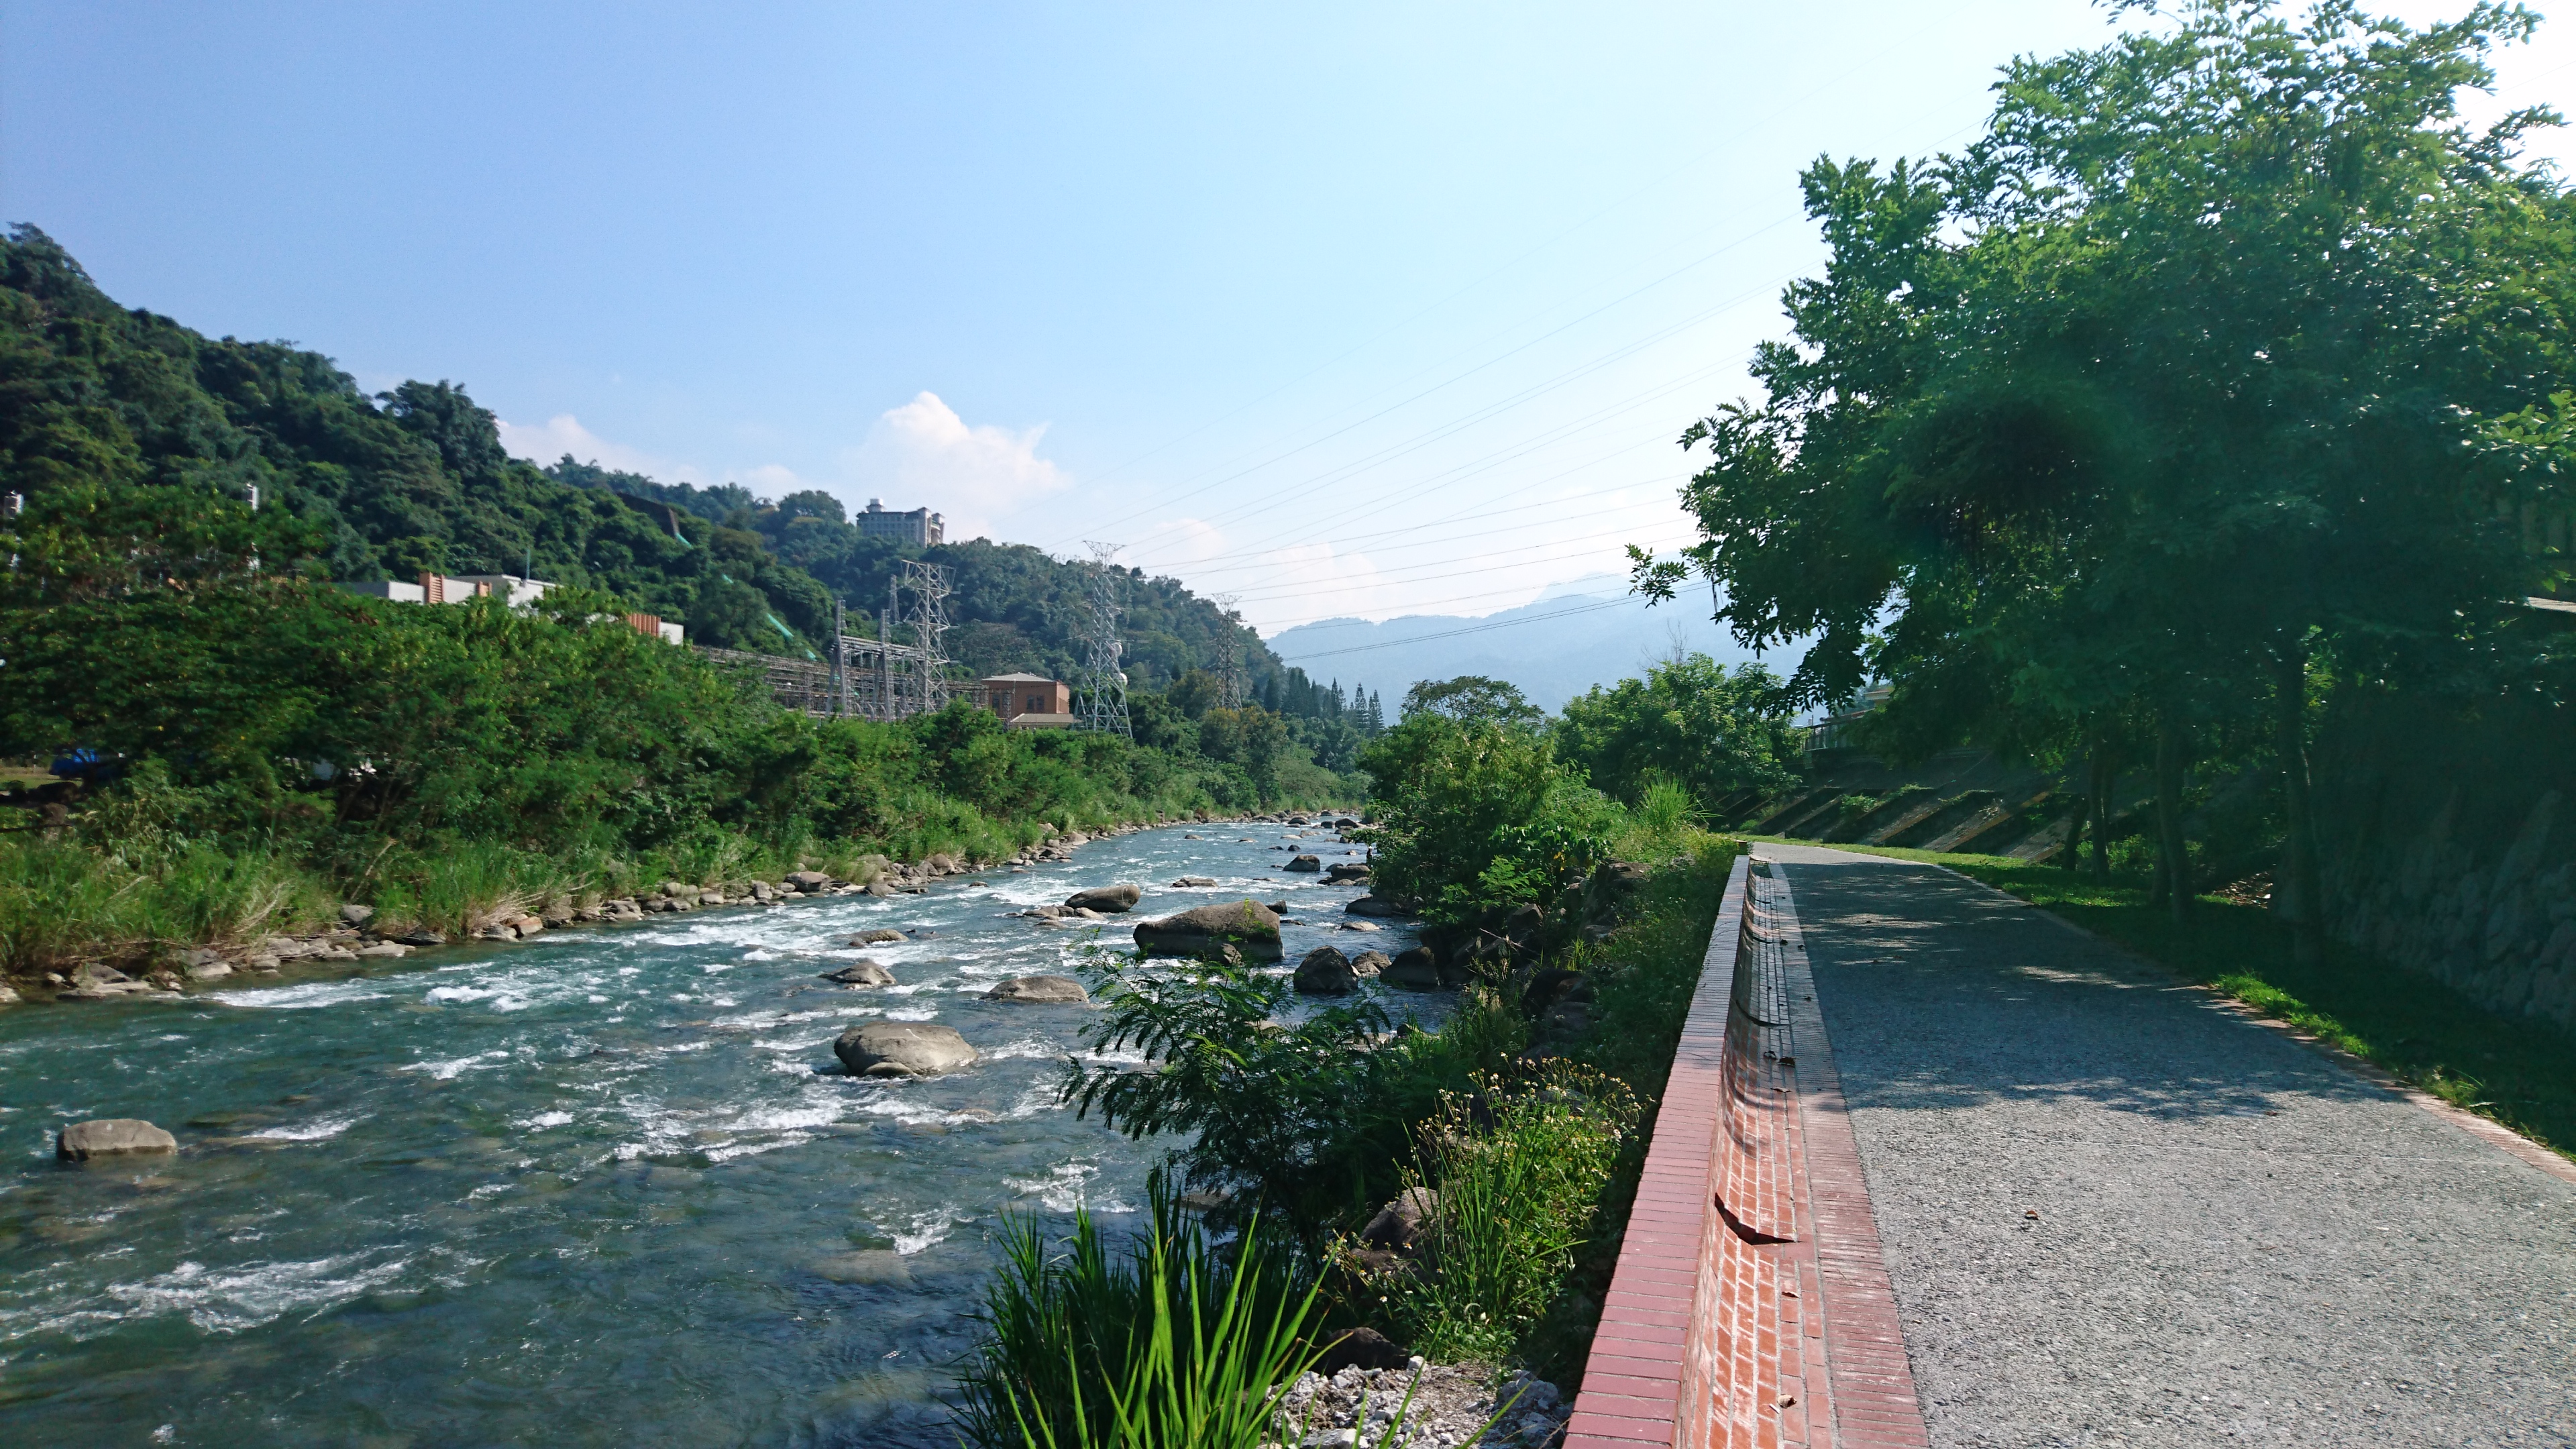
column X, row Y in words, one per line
column 1366, row 1201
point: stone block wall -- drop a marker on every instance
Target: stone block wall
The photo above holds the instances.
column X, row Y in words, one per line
column 2447, row 844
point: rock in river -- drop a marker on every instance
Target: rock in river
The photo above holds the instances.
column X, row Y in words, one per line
column 1038, row 988
column 1108, row 900
column 110, row 1137
column 875, row 938
column 1250, row 926
column 1375, row 906
column 1413, row 970
column 902, row 1049
column 1305, row 863
column 1325, row 972
column 863, row 973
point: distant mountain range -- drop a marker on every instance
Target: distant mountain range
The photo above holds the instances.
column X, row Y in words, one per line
column 1576, row 635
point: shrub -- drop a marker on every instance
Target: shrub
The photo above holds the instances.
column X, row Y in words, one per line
column 1476, row 816
column 1519, row 1167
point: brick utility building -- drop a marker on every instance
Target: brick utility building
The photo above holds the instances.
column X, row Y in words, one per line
column 920, row 526
column 1029, row 701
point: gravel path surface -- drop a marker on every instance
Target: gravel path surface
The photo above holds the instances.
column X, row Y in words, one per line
column 2234, row 1240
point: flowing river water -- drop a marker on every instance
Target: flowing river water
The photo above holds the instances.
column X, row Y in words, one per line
column 604, row 1187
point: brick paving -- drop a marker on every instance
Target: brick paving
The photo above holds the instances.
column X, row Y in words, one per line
column 1749, row 1309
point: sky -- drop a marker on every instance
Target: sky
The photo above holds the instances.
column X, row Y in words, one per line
column 1338, row 311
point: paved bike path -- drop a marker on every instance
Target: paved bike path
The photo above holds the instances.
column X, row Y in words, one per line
column 2236, row 1239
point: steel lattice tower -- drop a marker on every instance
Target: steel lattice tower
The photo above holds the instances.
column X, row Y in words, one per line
column 1232, row 686
column 1104, row 704
column 928, row 616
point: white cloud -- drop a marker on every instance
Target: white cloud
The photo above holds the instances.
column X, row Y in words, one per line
column 772, row 480
column 923, row 454
column 1177, row 544
column 544, row 443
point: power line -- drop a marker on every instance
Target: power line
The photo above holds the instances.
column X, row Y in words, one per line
column 1732, row 141
column 1343, row 472
column 1372, row 550
column 1421, row 604
column 1288, row 590
column 1454, row 633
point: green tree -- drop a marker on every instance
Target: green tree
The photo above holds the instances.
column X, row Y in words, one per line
column 2211, row 357
column 1473, row 818
column 1690, row 721
column 1471, row 698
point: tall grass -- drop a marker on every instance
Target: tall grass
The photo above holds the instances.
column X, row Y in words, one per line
column 1643, row 976
column 1175, row 1343
column 63, row 903
column 1664, row 822
column 1519, row 1168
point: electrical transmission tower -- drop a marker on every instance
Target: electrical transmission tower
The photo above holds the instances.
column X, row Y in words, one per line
column 928, row 616
column 1104, row 705
column 1231, row 685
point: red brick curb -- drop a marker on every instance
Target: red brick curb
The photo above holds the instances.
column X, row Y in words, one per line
column 1750, row 1306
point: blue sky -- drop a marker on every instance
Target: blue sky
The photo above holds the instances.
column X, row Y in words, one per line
column 1364, row 310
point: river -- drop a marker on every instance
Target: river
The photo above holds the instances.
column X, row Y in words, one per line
column 604, row 1187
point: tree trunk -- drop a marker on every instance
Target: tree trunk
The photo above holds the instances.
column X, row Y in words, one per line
column 2173, row 852
column 2106, row 773
column 2072, row 854
column 2296, row 897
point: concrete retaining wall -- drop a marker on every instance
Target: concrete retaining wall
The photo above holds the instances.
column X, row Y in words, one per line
column 2447, row 844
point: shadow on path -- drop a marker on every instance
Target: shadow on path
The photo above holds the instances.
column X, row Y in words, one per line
column 2114, row 1212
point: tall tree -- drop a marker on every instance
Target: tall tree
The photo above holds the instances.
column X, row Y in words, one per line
column 2221, row 351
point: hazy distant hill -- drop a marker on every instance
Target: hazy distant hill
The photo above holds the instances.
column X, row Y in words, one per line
column 1575, row 636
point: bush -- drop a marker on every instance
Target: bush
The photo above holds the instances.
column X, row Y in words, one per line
column 1690, row 722
column 1519, row 1167
column 1477, row 816
column 1278, row 1112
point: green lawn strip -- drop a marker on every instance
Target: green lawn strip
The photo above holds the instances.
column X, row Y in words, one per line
column 2519, row 1073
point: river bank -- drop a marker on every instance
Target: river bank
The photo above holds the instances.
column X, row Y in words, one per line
column 601, row 1183
column 521, row 910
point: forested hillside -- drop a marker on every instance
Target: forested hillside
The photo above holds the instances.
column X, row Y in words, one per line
column 416, row 479
column 244, row 743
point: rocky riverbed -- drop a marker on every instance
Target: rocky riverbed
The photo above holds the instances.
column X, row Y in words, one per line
column 596, row 1183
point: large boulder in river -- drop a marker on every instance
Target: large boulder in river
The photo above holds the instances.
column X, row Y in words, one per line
column 1325, row 972
column 1374, row 906
column 1038, row 988
column 1249, row 926
column 111, row 1137
column 1370, row 963
column 902, row 1049
column 1306, row 864
column 1108, row 900
column 1413, row 970
column 863, row 973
